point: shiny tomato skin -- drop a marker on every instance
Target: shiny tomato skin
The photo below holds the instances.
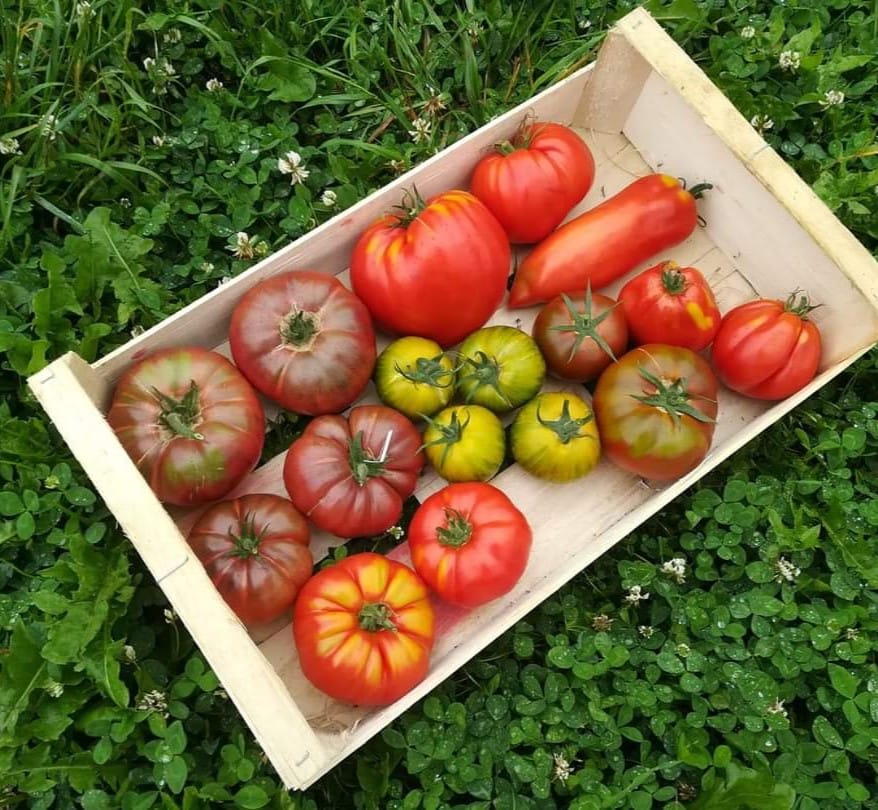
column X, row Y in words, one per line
column 767, row 349
column 644, row 438
column 562, row 324
column 672, row 305
column 255, row 551
column 531, row 183
column 465, row 443
column 305, row 341
column 602, row 244
column 334, row 474
column 372, row 665
column 439, row 275
column 469, row 543
column 415, row 376
column 219, row 433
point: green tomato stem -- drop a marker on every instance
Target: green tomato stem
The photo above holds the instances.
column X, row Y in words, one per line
column 457, row 530
column 565, row 427
column 180, row 416
column 375, row 616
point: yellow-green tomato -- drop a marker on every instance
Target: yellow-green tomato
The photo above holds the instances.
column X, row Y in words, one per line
column 500, row 367
column 465, row 443
column 556, row 437
column 415, row 376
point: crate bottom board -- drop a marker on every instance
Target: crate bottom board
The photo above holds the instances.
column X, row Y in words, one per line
column 573, row 523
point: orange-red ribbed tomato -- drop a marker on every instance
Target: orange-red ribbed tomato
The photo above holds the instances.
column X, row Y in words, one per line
column 364, row 629
column 438, row 271
column 533, row 181
column 255, row 550
column 671, row 304
column 599, row 246
column 190, row 422
column 767, row 349
column 469, row 543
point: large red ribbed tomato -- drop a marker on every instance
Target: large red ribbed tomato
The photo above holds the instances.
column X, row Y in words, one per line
column 768, row 349
column 436, row 271
column 533, row 181
column 364, row 630
column 190, row 421
column 255, row 550
column 351, row 475
column 305, row 341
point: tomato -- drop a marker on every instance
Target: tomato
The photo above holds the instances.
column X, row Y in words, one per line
column 437, row 271
column 190, row 422
column 599, row 246
column 531, row 183
column 255, row 550
column 305, row 341
column 469, row 543
column 768, row 349
column 415, row 376
column 656, row 411
column 580, row 335
column 500, row 368
column 350, row 476
column 555, row 437
column 364, row 629
column 465, row 443
column 672, row 305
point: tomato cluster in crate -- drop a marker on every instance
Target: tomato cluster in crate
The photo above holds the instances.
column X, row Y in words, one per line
column 654, row 357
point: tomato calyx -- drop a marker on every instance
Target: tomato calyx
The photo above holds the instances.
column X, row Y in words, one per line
column 247, row 542
column 363, row 466
column 180, row 416
column 485, row 372
column 412, row 205
column 802, row 307
column 670, row 396
column 449, row 434
column 299, row 327
column 585, row 324
column 427, row 371
column 457, row 530
column 673, row 280
column 375, row 616
column 565, row 427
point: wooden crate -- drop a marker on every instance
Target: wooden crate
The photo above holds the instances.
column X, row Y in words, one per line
column 642, row 106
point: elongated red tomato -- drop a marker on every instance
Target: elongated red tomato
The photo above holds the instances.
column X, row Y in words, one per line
column 191, row 423
column 599, row 246
column 255, row 550
column 533, row 181
column 305, row 341
column 438, row 271
column 768, row 349
column 469, row 543
column 672, row 305
column 364, row 629
column 350, row 476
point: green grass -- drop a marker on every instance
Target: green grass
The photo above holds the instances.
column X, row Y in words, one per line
column 122, row 190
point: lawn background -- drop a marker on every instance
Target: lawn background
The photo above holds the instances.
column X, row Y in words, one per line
column 127, row 173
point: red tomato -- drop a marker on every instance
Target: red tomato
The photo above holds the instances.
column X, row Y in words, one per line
column 672, row 305
column 351, row 475
column 469, row 543
column 190, row 421
column 656, row 411
column 305, row 341
column 255, row 550
column 767, row 349
column 437, row 271
column 580, row 335
column 364, row 630
column 531, row 183
column 599, row 246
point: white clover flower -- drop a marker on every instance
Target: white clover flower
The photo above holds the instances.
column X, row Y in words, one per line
column 832, row 98
column 149, row 64
column 244, row 246
column 291, row 163
column 602, row 623
column 646, row 630
column 329, row 198
column 170, row 615
column 786, row 570
column 129, row 654
column 683, row 650
column 676, row 568
column 852, row 634
column 84, row 11
column 9, row 146
column 761, row 123
column 137, row 330
column 420, row 130
column 213, row 85
column 562, row 769
column 748, row 32
column 153, row 701
column 635, row 595
column 583, row 25
column 47, row 128
column 790, row 60
column 777, row 708
column 168, row 69
column 261, row 248
column 172, row 36
column 398, row 166
column 159, row 141
column 474, row 29
column 125, row 202
column 55, row 689
column 207, row 267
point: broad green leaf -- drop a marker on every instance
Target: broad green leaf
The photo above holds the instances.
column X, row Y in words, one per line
column 843, row 681
column 251, row 797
